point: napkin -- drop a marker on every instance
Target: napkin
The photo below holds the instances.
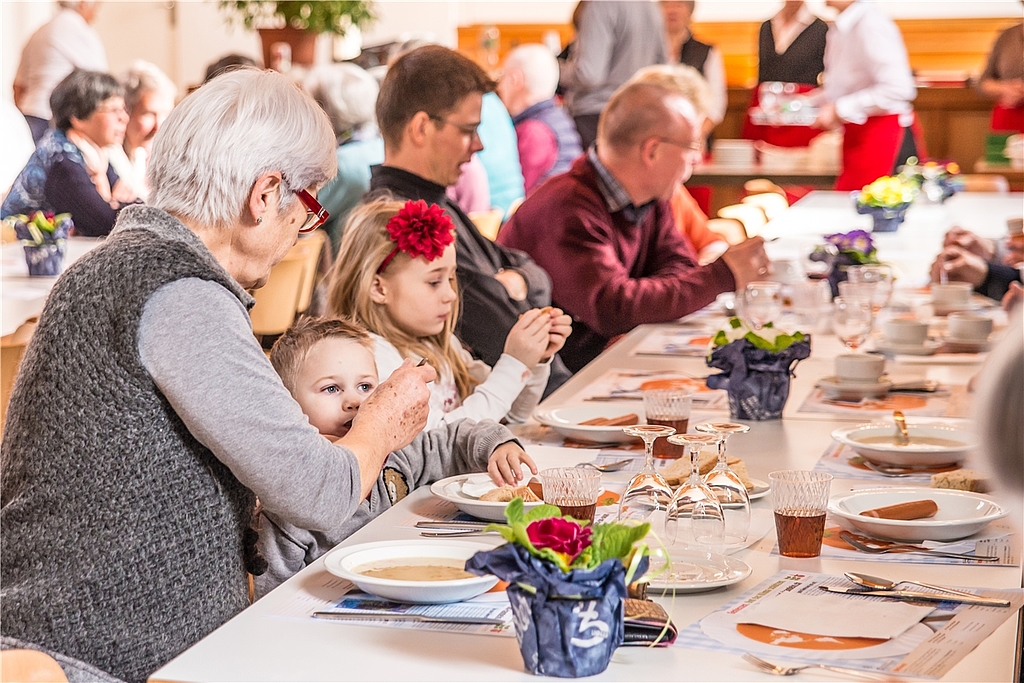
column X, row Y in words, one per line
column 834, row 615
column 477, row 485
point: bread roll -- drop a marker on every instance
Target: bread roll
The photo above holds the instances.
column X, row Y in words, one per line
column 961, row 480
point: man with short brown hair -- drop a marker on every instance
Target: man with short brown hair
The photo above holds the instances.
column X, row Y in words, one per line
column 606, row 233
column 428, row 111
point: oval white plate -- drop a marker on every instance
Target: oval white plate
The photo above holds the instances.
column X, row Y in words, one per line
column 566, row 421
column 695, row 571
column 961, row 513
column 342, row 561
column 450, row 489
column 911, row 454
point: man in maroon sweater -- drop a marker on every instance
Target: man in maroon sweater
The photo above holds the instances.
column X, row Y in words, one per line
column 604, row 231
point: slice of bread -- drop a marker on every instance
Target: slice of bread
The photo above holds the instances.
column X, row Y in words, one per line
column 961, row 480
column 679, row 470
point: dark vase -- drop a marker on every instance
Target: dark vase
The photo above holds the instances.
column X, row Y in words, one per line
column 884, row 218
column 756, row 380
column 46, row 259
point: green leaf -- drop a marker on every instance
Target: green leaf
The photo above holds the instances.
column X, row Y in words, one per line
column 514, row 511
column 541, row 512
column 720, row 339
column 735, row 323
column 614, row 541
column 759, row 342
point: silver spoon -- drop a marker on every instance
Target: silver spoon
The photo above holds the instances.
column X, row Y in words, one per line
column 902, row 437
column 877, row 583
column 610, row 467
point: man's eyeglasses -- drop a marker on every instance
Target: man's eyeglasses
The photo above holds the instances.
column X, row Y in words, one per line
column 470, row 131
column 695, row 146
column 316, row 215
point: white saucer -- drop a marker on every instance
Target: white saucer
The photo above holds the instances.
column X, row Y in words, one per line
column 966, row 345
column 943, row 310
column 695, row 571
column 928, row 348
column 833, row 388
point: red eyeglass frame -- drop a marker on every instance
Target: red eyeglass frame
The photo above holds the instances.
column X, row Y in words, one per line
column 316, row 215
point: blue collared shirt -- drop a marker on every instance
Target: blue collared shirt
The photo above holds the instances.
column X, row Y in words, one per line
column 614, row 194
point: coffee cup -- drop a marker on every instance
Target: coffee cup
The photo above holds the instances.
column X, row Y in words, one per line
column 951, row 295
column 859, row 368
column 969, row 326
column 905, row 331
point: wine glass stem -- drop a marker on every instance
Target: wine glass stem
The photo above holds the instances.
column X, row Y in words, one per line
column 721, row 448
column 649, row 454
column 695, row 461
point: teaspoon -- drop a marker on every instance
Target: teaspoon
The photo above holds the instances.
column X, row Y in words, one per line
column 902, row 437
column 876, row 583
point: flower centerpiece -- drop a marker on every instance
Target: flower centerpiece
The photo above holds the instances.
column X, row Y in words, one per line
column 44, row 237
column 886, row 200
column 567, row 582
column 937, row 181
column 756, row 367
column 845, row 249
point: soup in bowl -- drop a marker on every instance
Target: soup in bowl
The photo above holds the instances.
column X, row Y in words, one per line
column 931, row 445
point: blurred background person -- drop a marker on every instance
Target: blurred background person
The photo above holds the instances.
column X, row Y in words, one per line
column 227, row 63
column 347, row 94
column 1003, row 80
column 683, row 48
column 69, row 171
column 992, row 267
column 613, row 41
column 868, row 90
column 65, row 43
column 16, row 141
column 547, row 138
column 790, row 49
column 148, row 97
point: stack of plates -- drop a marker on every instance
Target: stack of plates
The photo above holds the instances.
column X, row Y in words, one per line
column 733, row 152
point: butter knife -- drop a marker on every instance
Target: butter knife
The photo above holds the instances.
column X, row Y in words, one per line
column 917, row 595
column 391, row 616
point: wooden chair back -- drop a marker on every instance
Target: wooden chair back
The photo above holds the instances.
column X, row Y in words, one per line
column 730, row 229
column 752, row 217
column 12, row 348
column 772, row 204
column 289, row 288
column 985, row 183
column 30, row 666
column 487, row 222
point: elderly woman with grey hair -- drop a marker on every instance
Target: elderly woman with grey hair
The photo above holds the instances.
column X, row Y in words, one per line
column 146, row 419
column 348, row 95
column 148, row 97
column 70, row 172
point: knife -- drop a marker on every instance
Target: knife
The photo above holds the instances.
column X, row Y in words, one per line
column 449, row 524
column 917, row 595
column 392, row 616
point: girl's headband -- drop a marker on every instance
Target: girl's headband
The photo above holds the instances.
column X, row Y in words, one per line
column 419, row 229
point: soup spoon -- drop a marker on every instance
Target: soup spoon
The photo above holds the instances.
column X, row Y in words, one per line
column 877, row 583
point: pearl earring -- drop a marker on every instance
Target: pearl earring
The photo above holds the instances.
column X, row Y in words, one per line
column 259, row 220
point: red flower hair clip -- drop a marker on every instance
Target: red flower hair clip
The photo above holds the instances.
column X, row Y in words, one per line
column 419, row 229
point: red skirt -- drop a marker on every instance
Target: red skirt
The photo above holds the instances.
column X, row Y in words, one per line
column 1005, row 119
column 870, row 149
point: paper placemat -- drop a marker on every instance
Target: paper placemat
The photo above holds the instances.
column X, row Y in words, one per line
column 625, row 385
column 929, row 649
column 673, row 341
column 951, row 404
column 842, row 462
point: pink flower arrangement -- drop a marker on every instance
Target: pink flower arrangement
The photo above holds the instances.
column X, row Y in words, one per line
column 562, row 535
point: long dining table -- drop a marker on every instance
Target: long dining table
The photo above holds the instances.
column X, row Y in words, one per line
column 276, row 640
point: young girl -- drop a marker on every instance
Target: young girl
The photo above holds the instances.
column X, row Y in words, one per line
column 395, row 274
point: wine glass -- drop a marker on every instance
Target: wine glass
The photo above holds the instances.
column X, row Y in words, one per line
column 762, row 303
column 880, row 276
column 851, row 320
column 647, row 492
column 695, row 500
column 729, row 488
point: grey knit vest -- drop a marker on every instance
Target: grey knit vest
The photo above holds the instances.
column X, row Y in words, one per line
column 122, row 535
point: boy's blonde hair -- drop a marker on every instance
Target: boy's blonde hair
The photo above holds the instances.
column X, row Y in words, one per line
column 364, row 246
column 290, row 350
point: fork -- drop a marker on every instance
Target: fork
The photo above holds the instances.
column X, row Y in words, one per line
column 862, row 544
column 792, row 670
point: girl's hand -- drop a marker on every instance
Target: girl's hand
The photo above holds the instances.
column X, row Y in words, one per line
column 506, row 464
column 527, row 341
column 561, row 327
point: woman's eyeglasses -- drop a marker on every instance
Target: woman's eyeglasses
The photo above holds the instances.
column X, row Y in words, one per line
column 316, row 215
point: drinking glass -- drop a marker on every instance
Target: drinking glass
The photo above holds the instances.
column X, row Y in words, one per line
column 730, row 490
column 851, row 320
column 800, row 502
column 647, row 492
column 762, row 303
column 695, row 500
column 880, row 276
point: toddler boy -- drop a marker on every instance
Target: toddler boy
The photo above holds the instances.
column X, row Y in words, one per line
column 328, row 366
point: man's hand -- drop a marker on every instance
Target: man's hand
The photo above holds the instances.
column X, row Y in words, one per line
column 968, row 241
column 506, row 464
column 748, row 262
column 513, row 283
column 954, row 264
column 1013, row 297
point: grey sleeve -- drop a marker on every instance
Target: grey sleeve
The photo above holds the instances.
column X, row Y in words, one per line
column 459, row 448
column 590, row 62
column 196, row 342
